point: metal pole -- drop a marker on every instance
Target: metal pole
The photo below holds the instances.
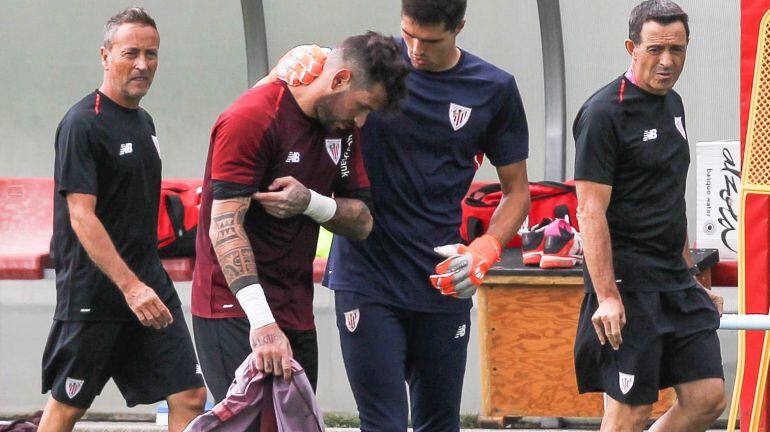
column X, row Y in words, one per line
column 554, row 81
column 256, row 40
column 744, row 322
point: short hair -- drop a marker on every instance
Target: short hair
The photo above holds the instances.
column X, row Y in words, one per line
column 447, row 12
column 661, row 11
column 129, row 15
column 380, row 61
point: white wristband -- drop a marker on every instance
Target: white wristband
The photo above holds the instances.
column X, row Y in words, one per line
column 320, row 208
column 254, row 303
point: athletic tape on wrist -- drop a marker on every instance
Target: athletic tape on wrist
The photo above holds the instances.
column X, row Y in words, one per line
column 253, row 302
column 320, row 208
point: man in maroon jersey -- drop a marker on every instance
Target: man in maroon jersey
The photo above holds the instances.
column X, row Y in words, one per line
column 277, row 155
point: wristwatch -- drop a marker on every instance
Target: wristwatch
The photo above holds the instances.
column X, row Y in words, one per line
column 694, row 270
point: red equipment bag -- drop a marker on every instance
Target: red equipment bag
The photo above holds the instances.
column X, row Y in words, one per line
column 178, row 219
column 545, row 197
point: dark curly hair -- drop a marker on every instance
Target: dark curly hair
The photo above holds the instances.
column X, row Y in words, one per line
column 379, row 60
column 447, row 12
column 661, row 11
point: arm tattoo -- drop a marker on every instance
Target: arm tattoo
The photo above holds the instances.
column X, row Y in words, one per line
column 238, row 262
column 231, row 243
column 227, row 226
column 352, row 219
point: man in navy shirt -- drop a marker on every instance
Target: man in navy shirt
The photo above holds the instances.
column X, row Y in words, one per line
column 645, row 322
column 402, row 313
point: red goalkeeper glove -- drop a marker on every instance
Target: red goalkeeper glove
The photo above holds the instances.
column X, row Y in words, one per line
column 464, row 268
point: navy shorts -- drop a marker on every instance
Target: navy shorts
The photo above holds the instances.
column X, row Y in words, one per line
column 385, row 347
column 669, row 338
column 146, row 364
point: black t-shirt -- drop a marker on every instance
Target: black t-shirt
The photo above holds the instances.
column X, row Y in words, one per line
column 636, row 142
column 111, row 152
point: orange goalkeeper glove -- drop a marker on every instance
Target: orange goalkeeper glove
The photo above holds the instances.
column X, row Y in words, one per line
column 300, row 66
column 464, row 268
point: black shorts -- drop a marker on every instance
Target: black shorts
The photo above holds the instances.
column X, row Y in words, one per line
column 147, row 364
column 223, row 344
column 669, row 338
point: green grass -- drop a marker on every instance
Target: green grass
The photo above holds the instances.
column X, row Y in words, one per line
column 469, row 421
column 341, row 420
column 346, row 420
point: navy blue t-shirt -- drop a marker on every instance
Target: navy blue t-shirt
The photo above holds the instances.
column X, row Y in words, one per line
column 421, row 163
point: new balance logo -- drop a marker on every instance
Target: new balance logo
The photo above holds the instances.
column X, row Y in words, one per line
column 293, row 157
column 460, row 332
column 126, row 148
column 650, row 135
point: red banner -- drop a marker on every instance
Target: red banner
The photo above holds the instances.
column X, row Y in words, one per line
column 751, row 15
column 757, row 218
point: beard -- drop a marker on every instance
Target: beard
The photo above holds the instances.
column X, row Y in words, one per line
column 328, row 108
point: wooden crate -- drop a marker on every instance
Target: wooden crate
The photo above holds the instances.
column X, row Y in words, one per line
column 527, row 327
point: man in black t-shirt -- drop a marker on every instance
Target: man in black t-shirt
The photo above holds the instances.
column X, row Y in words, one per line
column 117, row 313
column 631, row 163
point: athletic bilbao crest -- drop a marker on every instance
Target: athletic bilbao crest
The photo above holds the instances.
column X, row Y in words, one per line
column 157, row 144
column 334, row 148
column 680, row 126
column 351, row 319
column 458, row 115
column 626, row 382
column 73, row 386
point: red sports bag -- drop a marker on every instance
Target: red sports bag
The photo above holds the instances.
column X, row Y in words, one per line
column 545, row 196
column 178, row 219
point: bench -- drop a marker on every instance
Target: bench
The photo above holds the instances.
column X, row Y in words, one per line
column 26, row 226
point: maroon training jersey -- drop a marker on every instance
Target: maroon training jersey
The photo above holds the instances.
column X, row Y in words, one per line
column 262, row 136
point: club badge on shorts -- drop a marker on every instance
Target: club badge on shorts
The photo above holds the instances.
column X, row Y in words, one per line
column 680, row 126
column 626, row 382
column 351, row 319
column 458, row 115
column 72, row 387
column 334, row 148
